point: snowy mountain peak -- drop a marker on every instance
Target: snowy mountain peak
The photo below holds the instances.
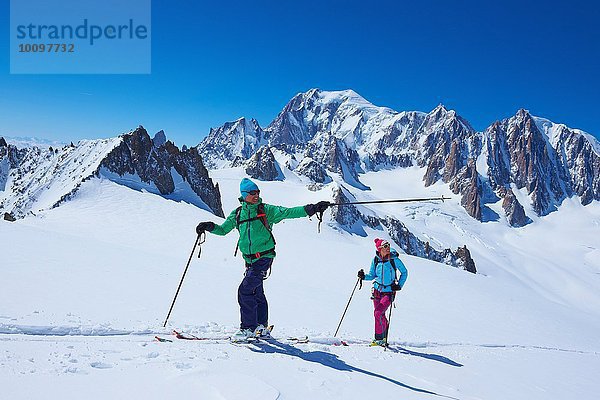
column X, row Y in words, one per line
column 555, row 132
column 342, row 96
column 444, row 120
column 233, row 140
column 440, row 109
column 523, row 114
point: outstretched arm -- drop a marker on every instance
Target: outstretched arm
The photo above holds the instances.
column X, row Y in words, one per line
column 276, row 214
column 226, row 226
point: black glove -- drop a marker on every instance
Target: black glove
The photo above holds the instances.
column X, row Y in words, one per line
column 361, row 274
column 320, row 207
column 205, row 226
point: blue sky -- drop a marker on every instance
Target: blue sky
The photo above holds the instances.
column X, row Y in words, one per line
column 215, row 62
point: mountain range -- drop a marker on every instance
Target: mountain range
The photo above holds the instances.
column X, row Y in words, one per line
column 324, row 134
column 527, row 164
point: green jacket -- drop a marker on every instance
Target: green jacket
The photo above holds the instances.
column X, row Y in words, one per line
column 254, row 237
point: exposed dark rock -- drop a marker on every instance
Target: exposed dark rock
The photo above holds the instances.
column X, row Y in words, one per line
column 440, row 128
column 137, row 155
column 291, row 126
column 582, row 162
column 335, row 155
column 454, row 161
column 262, row 165
column 344, row 215
column 449, row 149
column 159, row 139
column 380, row 160
column 3, row 142
column 464, row 259
column 9, row 217
column 312, row 170
column 432, row 175
column 469, row 184
column 534, row 163
column 498, row 160
column 515, row 214
column 189, row 165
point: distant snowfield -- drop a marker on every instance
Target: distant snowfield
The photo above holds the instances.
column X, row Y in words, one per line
column 85, row 288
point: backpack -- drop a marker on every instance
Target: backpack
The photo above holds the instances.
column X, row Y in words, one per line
column 394, row 286
column 261, row 215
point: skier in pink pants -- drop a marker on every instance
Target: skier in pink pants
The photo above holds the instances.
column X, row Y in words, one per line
column 386, row 283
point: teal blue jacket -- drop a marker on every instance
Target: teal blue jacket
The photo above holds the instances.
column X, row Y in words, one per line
column 383, row 273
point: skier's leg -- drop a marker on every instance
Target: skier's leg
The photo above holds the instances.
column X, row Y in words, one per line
column 247, row 299
column 262, row 311
column 250, row 293
column 385, row 303
column 381, row 303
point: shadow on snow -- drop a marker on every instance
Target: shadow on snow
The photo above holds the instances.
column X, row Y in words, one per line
column 434, row 357
column 332, row 361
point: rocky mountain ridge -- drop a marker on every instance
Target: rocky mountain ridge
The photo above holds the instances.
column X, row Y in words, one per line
column 330, row 134
column 33, row 179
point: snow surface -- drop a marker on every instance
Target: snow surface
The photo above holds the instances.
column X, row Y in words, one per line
column 86, row 286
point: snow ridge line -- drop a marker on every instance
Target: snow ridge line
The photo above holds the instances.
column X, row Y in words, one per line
column 100, row 331
column 9, row 329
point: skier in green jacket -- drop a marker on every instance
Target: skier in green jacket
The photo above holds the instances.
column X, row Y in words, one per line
column 254, row 221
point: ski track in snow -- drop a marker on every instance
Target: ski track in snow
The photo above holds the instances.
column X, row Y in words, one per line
column 8, row 332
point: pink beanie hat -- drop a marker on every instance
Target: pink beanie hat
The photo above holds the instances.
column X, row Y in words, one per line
column 379, row 243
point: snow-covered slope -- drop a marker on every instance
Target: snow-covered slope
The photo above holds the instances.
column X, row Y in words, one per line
column 101, row 271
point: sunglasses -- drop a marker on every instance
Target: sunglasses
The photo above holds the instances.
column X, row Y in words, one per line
column 254, row 192
column 385, row 246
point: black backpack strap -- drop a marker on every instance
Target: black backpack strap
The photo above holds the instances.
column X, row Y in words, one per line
column 238, row 211
column 261, row 215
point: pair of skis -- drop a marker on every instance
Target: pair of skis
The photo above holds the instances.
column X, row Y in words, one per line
column 188, row 336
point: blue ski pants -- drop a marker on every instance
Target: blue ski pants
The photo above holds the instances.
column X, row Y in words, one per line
column 254, row 309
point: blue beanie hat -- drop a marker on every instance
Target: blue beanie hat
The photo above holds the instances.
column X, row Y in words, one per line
column 246, row 185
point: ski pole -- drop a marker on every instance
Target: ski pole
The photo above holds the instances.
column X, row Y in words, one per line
column 387, row 333
column 340, row 324
column 320, row 215
column 390, row 201
column 198, row 242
